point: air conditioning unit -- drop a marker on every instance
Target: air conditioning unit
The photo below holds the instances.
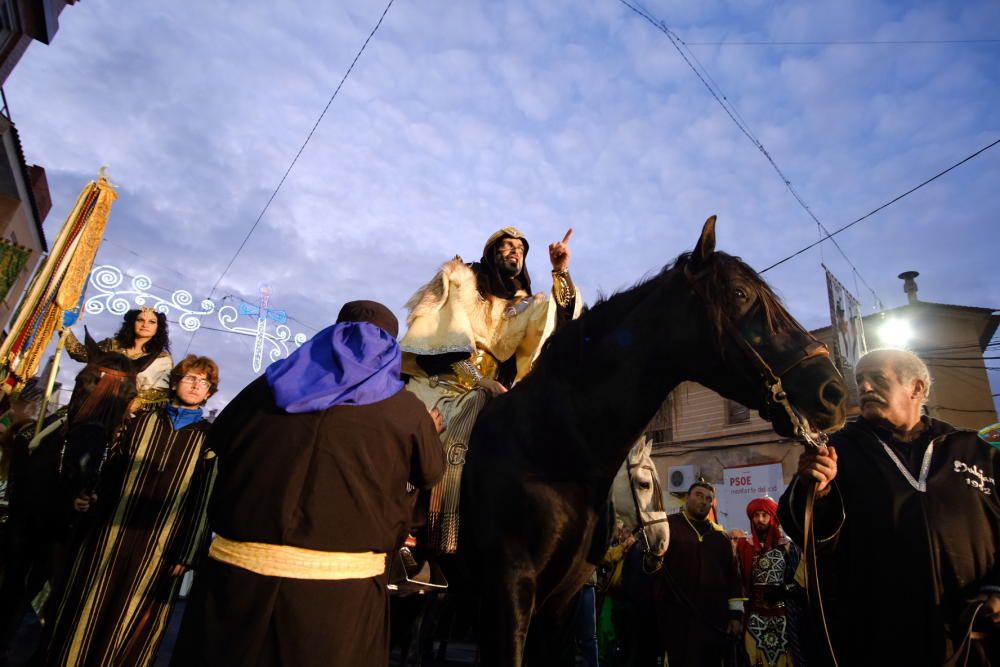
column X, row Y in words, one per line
column 680, row 478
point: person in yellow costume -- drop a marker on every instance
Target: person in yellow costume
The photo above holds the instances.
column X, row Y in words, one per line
column 473, row 331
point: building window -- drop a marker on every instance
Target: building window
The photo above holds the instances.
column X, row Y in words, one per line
column 661, row 427
column 736, row 413
column 658, row 435
column 9, row 25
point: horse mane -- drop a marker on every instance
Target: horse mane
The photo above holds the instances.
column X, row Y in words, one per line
column 107, row 401
column 565, row 348
column 721, row 299
column 566, row 345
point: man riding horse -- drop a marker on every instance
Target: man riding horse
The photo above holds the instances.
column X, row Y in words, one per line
column 543, row 456
column 474, row 330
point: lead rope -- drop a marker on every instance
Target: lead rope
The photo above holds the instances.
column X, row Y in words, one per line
column 816, row 440
column 814, row 594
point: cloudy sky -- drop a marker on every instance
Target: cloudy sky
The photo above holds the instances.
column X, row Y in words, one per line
column 462, row 117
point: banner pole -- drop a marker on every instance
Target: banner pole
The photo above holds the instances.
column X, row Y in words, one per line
column 51, row 383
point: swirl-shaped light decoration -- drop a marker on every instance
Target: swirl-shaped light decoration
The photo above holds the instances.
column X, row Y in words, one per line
column 107, row 279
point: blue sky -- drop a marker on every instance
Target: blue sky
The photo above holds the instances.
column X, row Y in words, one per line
column 460, row 118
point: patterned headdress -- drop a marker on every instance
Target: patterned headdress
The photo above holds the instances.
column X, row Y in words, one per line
column 512, row 232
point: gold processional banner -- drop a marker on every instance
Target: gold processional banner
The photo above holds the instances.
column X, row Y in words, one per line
column 57, row 285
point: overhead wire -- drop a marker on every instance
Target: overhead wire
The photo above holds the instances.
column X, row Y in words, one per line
column 295, row 159
column 852, row 42
column 301, row 148
column 933, row 178
column 730, row 110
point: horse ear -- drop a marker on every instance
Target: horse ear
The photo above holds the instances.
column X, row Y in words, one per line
column 705, row 247
column 93, row 350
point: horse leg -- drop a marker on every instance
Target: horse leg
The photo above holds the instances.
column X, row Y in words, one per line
column 428, row 626
column 506, row 607
column 551, row 642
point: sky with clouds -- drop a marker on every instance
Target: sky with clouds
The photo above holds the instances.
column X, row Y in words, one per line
column 460, row 118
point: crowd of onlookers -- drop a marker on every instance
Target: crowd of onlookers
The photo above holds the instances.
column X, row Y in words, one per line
column 107, row 505
column 718, row 597
column 906, row 524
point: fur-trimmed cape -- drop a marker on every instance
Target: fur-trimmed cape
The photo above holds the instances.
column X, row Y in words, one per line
column 449, row 315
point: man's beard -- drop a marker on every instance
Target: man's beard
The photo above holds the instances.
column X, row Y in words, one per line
column 510, row 269
column 761, row 532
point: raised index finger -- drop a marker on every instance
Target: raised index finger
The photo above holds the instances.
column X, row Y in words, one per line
column 568, row 234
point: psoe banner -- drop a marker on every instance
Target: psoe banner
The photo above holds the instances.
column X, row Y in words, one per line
column 743, row 484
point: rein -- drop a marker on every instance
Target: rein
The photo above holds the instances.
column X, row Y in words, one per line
column 97, row 410
column 641, row 524
column 803, row 431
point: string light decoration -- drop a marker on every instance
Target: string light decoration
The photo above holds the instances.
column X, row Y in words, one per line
column 114, row 296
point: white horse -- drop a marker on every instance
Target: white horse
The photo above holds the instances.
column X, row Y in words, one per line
column 638, row 484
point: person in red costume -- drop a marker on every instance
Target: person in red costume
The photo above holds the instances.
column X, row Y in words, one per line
column 764, row 560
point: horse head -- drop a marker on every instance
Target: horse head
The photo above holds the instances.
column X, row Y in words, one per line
column 762, row 357
column 99, row 404
column 638, row 499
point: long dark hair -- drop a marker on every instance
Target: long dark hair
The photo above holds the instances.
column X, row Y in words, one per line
column 160, row 342
column 491, row 280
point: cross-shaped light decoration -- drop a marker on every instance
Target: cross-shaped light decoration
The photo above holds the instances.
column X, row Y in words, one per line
column 263, row 314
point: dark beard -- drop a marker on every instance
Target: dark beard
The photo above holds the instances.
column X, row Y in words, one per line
column 506, row 269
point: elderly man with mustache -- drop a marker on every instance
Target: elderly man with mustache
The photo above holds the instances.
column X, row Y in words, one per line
column 908, row 509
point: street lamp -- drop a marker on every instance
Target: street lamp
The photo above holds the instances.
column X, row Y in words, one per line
column 895, row 332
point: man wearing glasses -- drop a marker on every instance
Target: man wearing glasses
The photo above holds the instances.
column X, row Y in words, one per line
column 148, row 526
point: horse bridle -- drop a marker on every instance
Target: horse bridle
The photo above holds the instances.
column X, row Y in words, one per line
column 803, row 431
column 99, row 393
column 641, row 524
column 773, row 389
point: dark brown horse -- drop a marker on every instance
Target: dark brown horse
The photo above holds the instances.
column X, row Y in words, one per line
column 56, row 468
column 543, row 456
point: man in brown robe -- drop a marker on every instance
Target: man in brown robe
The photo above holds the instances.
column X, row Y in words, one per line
column 698, row 592
column 314, row 459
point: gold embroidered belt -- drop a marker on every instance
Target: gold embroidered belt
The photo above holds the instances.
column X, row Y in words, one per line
column 467, row 373
column 279, row 560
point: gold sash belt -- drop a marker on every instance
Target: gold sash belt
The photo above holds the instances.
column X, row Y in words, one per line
column 278, row 560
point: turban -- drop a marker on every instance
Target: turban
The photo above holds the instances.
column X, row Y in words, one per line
column 773, row 529
column 763, row 505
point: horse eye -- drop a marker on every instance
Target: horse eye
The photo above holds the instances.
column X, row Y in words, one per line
column 644, row 485
column 740, row 294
